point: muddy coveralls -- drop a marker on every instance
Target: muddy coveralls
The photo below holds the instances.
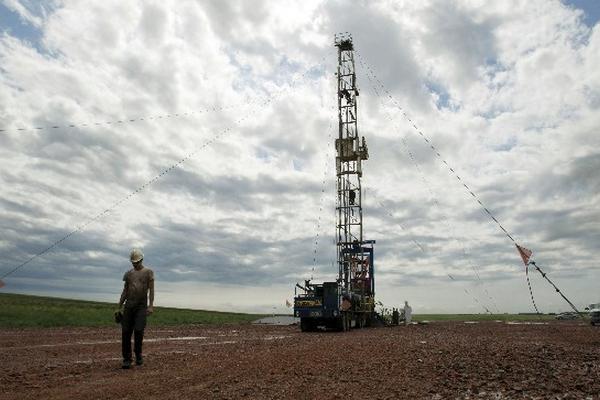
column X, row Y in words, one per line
column 135, row 310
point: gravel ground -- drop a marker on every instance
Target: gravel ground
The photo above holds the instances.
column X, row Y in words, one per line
column 450, row 360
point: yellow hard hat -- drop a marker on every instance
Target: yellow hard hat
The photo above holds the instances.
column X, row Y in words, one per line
column 136, row 255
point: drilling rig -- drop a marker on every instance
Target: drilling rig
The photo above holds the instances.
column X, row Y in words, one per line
column 349, row 301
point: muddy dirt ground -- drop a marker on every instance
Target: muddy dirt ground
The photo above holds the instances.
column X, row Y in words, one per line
column 492, row 360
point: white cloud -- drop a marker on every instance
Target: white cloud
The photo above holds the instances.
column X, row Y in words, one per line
column 508, row 92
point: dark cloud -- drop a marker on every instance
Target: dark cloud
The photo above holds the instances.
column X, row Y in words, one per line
column 245, row 210
column 236, row 192
column 384, row 43
column 464, row 40
column 574, row 179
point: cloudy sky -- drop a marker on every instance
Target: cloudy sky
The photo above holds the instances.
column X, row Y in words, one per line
column 201, row 131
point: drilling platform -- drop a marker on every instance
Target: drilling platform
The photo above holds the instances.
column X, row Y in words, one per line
column 349, row 301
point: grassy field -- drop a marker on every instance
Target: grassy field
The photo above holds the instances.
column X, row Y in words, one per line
column 18, row 310
column 482, row 317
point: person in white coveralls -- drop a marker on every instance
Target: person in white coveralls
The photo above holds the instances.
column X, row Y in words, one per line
column 407, row 313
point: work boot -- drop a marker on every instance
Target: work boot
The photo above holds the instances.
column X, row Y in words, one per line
column 139, row 360
column 126, row 364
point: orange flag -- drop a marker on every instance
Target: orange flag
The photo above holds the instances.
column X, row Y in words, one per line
column 2, row 284
column 524, row 253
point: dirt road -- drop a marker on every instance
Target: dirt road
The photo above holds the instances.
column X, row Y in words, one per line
column 492, row 360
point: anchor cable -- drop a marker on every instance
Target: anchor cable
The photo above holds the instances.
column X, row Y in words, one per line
column 165, row 171
column 435, row 200
column 457, row 176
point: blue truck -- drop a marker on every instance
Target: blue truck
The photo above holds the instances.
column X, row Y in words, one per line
column 343, row 304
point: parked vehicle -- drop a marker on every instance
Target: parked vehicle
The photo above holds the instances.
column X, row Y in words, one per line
column 567, row 316
column 594, row 313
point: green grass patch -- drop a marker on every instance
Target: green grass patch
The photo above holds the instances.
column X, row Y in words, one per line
column 482, row 317
column 17, row 310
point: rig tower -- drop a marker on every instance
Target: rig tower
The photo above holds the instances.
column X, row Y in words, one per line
column 354, row 255
column 349, row 301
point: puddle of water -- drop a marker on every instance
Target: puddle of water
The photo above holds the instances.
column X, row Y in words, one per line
column 223, row 342
column 93, row 343
column 176, row 338
column 276, row 337
column 86, row 343
column 277, row 320
column 147, row 340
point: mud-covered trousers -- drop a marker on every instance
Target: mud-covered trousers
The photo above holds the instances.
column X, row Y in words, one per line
column 134, row 322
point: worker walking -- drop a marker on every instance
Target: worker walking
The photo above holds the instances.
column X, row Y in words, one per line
column 138, row 282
